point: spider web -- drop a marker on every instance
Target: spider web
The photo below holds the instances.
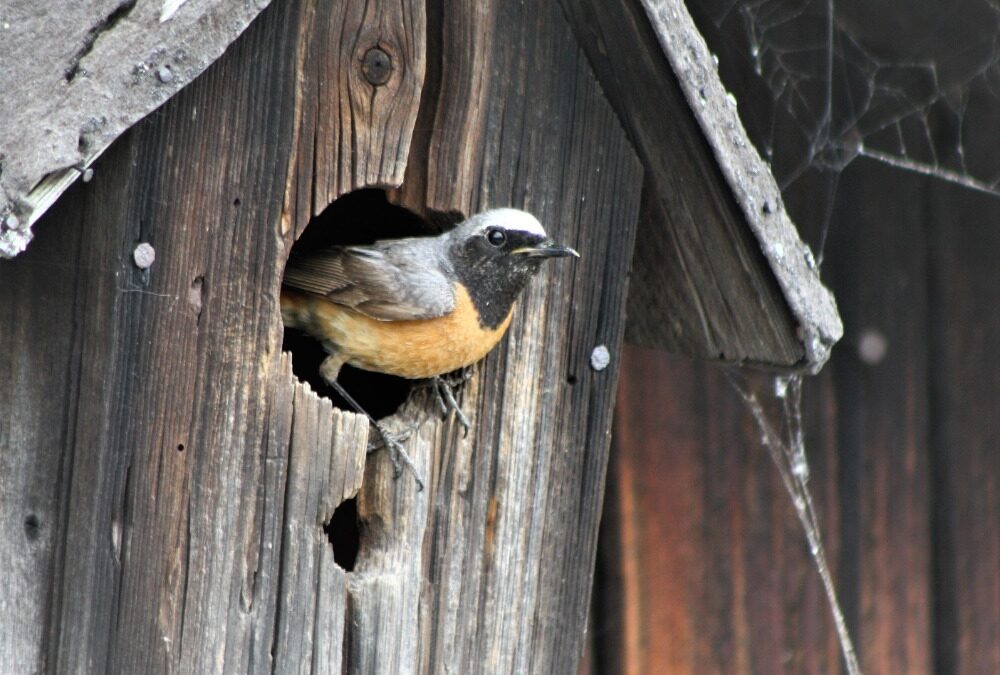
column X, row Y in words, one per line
column 821, row 84
column 915, row 85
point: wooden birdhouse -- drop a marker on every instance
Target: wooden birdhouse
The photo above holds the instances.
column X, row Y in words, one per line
column 175, row 498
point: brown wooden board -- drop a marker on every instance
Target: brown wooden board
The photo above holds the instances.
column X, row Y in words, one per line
column 881, row 411
column 703, row 565
column 166, row 481
column 963, row 247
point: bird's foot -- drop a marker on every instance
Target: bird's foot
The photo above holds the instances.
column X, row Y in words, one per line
column 393, row 444
column 444, row 387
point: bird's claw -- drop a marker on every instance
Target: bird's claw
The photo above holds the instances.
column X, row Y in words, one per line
column 446, row 397
column 397, row 453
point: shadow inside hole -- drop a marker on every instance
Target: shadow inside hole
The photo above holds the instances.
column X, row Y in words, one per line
column 380, row 395
column 357, row 218
column 343, row 534
column 362, row 217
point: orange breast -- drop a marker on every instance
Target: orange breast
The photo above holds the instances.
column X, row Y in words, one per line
column 414, row 349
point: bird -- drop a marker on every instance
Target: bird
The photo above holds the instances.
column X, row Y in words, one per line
column 416, row 307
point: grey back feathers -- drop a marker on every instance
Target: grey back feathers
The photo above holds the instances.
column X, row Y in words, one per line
column 391, row 280
column 413, row 278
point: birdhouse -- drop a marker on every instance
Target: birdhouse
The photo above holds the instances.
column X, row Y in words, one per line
column 177, row 495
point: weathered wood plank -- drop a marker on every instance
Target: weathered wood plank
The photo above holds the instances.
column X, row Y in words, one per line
column 704, row 283
column 41, row 297
column 326, row 461
column 882, row 416
column 186, row 515
column 75, row 75
column 355, row 119
column 511, row 537
column 964, row 432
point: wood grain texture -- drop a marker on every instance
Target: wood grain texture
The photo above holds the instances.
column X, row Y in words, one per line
column 169, row 481
column 511, row 534
column 303, row 593
column 964, row 432
column 352, row 133
column 721, row 273
column 703, row 562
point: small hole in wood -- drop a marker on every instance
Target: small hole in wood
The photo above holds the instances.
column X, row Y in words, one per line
column 180, row 447
column 357, row 218
column 343, row 534
column 237, row 202
column 32, row 527
column 571, row 379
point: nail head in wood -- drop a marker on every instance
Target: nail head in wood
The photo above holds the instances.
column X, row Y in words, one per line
column 143, row 255
column 376, row 66
column 600, row 358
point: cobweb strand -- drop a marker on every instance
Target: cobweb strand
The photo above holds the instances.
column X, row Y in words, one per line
column 788, row 453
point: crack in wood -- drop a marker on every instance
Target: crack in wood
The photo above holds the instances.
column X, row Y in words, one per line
column 96, row 31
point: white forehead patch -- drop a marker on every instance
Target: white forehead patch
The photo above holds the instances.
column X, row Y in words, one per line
column 514, row 219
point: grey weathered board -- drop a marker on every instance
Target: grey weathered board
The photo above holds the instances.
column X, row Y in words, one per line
column 75, row 74
column 721, row 273
column 165, row 480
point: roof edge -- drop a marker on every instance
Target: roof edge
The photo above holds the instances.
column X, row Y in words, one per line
column 750, row 179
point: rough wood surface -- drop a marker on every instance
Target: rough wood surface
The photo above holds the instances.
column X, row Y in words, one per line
column 166, row 482
column 965, row 437
column 299, row 596
column 353, row 133
column 510, row 542
column 75, row 75
column 721, row 273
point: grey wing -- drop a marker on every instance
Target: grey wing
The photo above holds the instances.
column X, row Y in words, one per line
column 384, row 282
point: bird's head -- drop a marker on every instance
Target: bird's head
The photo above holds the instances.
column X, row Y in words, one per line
column 506, row 237
column 495, row 254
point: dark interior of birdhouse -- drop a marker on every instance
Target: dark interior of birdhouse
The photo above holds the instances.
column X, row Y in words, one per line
column 359, row 217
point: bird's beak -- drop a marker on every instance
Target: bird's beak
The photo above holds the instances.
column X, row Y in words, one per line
column 547, row 249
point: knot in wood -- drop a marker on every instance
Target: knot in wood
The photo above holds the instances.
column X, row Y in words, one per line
column 376, row 66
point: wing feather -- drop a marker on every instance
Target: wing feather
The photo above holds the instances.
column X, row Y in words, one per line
column 390, row 281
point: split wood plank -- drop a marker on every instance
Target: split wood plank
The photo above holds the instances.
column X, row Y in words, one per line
column 511, row 538
column 352, row 133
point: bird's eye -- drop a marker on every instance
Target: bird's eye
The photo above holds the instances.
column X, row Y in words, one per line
column 496, row 236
